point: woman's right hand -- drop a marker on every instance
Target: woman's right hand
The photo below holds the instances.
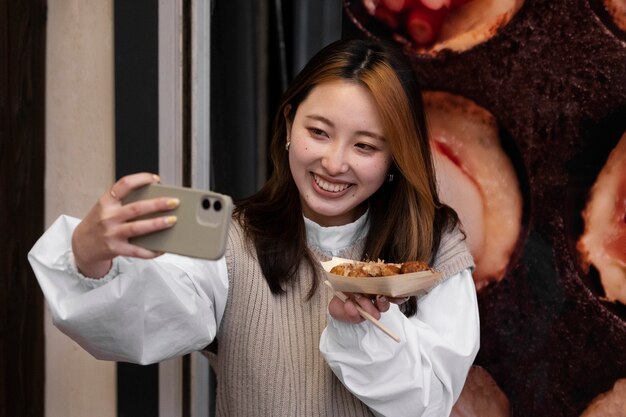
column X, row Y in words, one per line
column 104, row 232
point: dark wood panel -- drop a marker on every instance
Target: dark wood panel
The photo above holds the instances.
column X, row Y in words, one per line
column 136, row 149
column 22, row 157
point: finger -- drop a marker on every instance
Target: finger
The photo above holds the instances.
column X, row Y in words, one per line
column 366, row 304
column 382, row 303
column 144, row 207
column 128, row 183
column 345, row 312
column 352, row 314
column 128, row 249
column 399, row 300
column 142, row 227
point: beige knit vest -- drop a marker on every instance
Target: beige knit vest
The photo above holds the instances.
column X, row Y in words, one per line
column 269, row 363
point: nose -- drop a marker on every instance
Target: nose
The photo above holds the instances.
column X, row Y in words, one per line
column 334, row 160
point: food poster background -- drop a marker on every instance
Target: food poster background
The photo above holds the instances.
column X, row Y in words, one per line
column 526, row 102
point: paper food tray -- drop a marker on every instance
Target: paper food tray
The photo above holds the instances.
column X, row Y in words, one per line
column 402, row 285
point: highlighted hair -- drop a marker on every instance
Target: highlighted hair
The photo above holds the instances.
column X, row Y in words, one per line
column 406, row 217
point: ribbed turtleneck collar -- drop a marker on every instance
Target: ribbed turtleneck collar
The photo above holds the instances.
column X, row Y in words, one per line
column 335, row 238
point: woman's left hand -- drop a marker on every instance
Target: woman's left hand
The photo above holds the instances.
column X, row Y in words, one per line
column 347, row 311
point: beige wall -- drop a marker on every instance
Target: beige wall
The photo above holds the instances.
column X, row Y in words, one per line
column 79, row 167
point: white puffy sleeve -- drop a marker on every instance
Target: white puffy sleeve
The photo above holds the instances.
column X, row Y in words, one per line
column 424, row 374
column 143, row 311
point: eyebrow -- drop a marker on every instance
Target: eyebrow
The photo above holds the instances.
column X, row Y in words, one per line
column 331, row 124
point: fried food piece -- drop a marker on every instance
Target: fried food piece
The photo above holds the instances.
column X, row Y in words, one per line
column 414, row 266
column 341, row 269
column 377, row 269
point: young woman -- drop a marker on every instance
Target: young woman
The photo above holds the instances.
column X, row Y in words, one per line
column 353, row 177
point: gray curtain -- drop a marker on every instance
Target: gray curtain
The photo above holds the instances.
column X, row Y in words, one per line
column 316, row 24
column 256, row 47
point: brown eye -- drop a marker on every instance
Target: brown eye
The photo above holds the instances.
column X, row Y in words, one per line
column 365, row 146
column 317, row 132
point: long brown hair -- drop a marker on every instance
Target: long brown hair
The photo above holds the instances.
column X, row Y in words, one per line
column 405, row 215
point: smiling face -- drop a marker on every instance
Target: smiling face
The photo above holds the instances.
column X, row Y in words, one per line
column 338, row 156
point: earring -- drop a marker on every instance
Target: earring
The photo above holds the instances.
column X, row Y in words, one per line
column 390, row 178
column 287, row 145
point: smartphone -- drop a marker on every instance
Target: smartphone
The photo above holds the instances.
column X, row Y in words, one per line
column 203, row 222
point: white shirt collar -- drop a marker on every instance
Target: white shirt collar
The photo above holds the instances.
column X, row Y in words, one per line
column 336, row 238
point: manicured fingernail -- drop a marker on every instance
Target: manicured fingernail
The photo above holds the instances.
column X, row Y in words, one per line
column 382, row 298
column 170, row 220
column 173, row 202
column 156, row 178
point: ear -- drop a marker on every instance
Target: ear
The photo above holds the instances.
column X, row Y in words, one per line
column 286, row 111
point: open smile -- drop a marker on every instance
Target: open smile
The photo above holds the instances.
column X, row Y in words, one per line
column 331, row 187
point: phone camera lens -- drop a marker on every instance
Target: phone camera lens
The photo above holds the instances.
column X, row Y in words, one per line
column 206, row 203
column 217, row 206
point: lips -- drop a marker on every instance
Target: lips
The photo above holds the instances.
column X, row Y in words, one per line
column 331, row 187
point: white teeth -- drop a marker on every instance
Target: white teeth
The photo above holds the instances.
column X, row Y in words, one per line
column 326, row 186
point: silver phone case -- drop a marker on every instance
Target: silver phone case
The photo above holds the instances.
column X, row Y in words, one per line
column 203, row 222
